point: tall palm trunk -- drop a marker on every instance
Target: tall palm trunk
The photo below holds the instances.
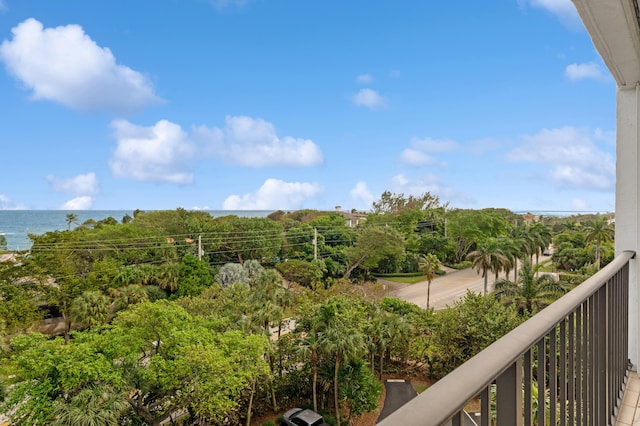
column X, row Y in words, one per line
column 486, row 280
column 335, row 390
column 253, row 391
column 314, row 357
column 67, row 328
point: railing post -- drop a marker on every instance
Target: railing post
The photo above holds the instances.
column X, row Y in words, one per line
column 602, row 335
column 509, row 396
column 588, row 328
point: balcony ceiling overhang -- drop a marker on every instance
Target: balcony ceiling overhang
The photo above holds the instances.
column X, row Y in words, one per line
column 615, row 31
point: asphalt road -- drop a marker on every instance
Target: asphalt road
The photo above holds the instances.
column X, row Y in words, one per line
column 398, row 393
column 448, row 288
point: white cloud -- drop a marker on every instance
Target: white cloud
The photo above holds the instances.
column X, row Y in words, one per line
column 571, row 156
column 78, row 203
column 362, row 194
column 427, row 183
column 274, row 194
column 585, row 71
column 7, row 204
column 434, row 145
column 394, row 74
column 564, row 10
column 421, row 149
column 163, row 152
column 65, row 65
column 364, row 79
column 416, row 158
column 2, row 5
column 369, row 98
column 254, row 142
column 86, row 184
column 158, row 153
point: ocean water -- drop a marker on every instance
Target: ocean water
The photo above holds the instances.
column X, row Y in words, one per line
column 16, row 225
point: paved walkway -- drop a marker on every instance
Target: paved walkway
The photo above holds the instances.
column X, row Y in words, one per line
column 398, row 393
column 629, row 414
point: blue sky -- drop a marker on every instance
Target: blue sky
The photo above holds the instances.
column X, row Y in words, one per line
column 273, row 104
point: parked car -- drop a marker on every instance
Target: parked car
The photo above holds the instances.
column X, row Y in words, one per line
column 300, row 417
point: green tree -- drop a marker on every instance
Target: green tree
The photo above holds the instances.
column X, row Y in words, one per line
column 129, row 295
column 374, row 244
column 394, row 203
column 96, row 405
column 529, row 294
column 49, row 373
column 466, row 328
column 19, row 308
column 71, row 219
column 599, row 231
column 540, row 235
column 90, row 309
column 194, row 277
column 305, row 273
column 429, row 265
column 487, row 257
column 467, row 227
column 521, row 243
column 308, row 347
column 359, row 388
column 3, row 242
column 342, row 339
column 242, row 238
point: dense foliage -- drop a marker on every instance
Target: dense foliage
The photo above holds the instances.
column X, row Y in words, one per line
column 178, row 313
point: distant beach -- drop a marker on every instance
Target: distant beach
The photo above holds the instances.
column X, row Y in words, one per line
column 16, row 225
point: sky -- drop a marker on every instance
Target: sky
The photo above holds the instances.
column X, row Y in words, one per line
column 274, row 104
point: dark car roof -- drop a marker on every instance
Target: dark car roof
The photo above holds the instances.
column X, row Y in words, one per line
column 309, row 416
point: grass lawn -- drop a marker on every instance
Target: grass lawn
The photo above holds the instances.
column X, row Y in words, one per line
column 547, row 266
column 406, row 280
column 420, row 386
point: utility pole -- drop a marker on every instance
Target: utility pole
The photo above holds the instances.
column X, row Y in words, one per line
column 199, row 247
column 315, row 243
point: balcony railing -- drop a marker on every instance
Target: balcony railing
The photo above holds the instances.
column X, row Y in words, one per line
column 574, row 352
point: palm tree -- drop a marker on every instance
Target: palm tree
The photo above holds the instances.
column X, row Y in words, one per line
column 541, row 238
column 509, row 248
column 487, row 257
column 89, row 309
column 341, row 339
column 428, row 264
column 308, row 347
column 599, row 231
column 129, row 295
column 168, row 276
column 92, row 406
column 344, row 343
column 522, row 244
column 529, row 293
column 71, row 218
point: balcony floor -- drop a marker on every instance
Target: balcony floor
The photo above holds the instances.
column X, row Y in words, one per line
column 629, row 414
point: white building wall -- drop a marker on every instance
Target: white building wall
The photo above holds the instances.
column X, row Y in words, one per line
column 627, row 194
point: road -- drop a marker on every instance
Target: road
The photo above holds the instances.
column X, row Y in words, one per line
column 446, row 289
column 398, row 393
